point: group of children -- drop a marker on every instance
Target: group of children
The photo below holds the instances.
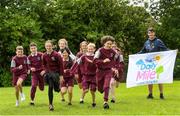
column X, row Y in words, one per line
column 101, row 70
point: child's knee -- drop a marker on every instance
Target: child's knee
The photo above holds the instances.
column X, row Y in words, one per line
column 112, row 84
column 63, row 91
column 85, row 91
column 18, row 84
column 16, row 88
column 70, row 91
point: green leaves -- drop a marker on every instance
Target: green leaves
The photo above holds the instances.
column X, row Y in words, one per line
column 77, row 20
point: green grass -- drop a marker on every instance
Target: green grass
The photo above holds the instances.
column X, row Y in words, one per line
column 129, row 101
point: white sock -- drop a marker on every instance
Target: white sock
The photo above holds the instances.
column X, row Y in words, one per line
column 17, row 102
column 22, row 96
column 32, row 101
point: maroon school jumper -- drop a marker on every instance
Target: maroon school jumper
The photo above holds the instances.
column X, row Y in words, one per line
column 104, row 70
column 53, row 62
column 35, row 61
column 79, row 69
column 68, row 76
column 19, row 73
column 89, row 72
column 119, row 65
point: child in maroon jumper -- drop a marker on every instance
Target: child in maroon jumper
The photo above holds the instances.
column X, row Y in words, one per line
column 105, row 61
column 119, row 65
column 67, row 83
column 78, row 75
column 53, row 71
column 64, row 43
column 19, row 68
column 88, row 73
column 35, row 65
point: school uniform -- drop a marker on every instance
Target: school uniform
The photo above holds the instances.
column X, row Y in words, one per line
column 53, row 66
column 88, row 72
column 35, row 61
column 72, row 56
column 19, row 73
column 79, row 69
column 104, row 70
column 67, row 76
column 119, row 65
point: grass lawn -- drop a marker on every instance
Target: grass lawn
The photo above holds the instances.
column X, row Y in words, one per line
column 129, row 101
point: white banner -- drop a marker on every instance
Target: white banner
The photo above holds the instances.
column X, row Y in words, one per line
column 151, row 68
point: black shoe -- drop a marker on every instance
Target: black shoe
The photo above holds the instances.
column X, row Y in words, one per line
column 69, row 104
column 32, row 104
column 150, row 96
column 106, row 106
column 161, row 96
column 51, row 108
column 63, row 100
column 81, row 102
column 112, row 101
column 93, row 104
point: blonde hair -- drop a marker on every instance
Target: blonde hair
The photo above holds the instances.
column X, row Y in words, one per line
column 19, row 48
column 49, row 41
column 33, row 44
column 63, row 40
column 91, row 44
column 83, row 42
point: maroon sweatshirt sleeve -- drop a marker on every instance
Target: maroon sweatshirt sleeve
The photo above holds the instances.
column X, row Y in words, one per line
column 60, row 61
column 40, row 64
column 28, row 64
column 76, row 64
column 14, row 69
column 44, row 64
column 96, row 58
column 74, row 67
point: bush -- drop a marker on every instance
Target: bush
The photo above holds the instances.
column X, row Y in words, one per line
column 177, row 67
column 5, row 78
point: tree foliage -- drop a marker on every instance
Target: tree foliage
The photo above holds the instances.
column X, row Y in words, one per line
column 24, row 21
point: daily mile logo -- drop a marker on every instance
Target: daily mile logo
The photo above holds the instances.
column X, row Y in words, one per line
column 149, row 69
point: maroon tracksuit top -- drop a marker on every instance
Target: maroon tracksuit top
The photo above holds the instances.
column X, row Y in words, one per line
column 53, row 62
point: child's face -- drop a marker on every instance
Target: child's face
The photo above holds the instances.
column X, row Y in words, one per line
column 33, row 49
column 62, row 44
column 90, row 49
column 151, row 35
column 114, row 46
column 84, row 46
column 49, row 47
column 19, row 52
column 65, row 54
column 108, row 44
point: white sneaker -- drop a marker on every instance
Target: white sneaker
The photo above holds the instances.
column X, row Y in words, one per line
column 22, row 97
column 17, row 103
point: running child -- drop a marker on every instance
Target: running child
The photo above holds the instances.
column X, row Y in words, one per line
column 36, row 67
column 105, row 61
column 19, row 68
column 67, row 83
column 88, row 73
column 119, row 65
column 53, row 71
